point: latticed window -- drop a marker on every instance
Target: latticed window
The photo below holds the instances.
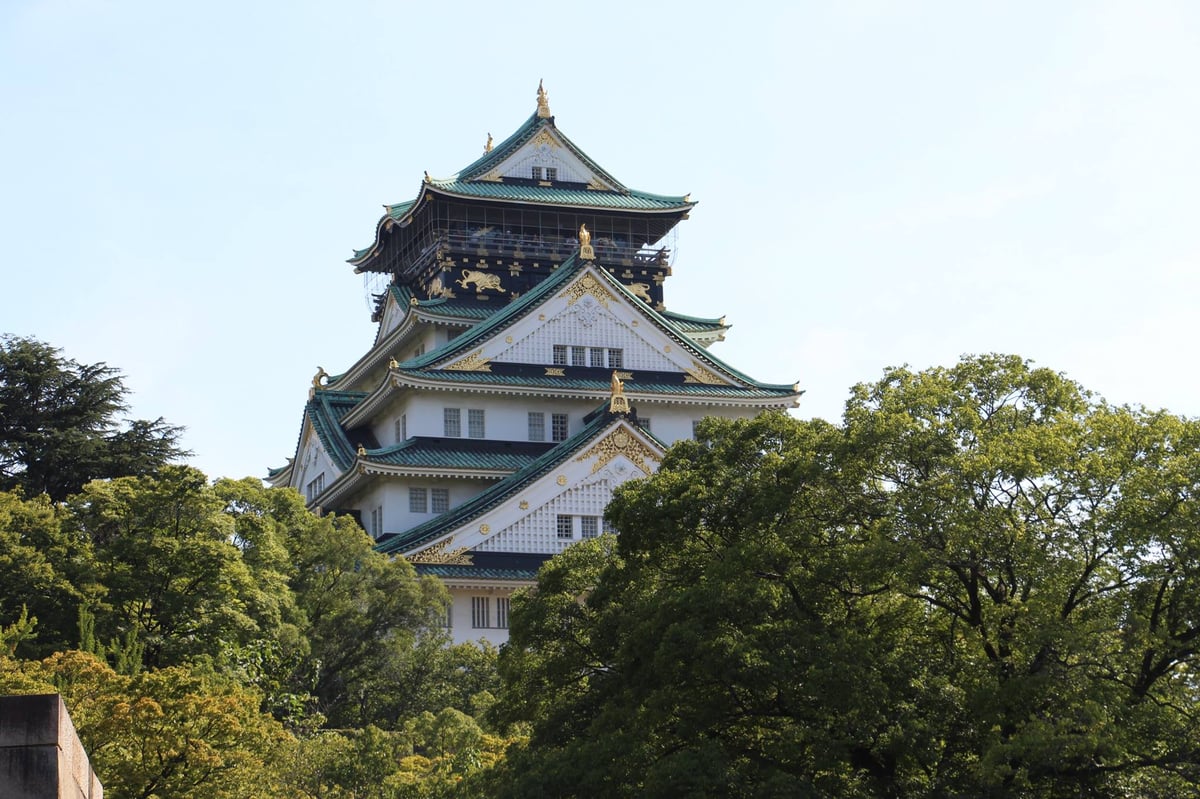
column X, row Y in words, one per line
column 315, row 487
column 537, row 426
column 596, row 356
column 566, row 527
column 475, row 422
column 579, row 356
column 551, row 173
column 537, row 173
column 502, row 612
column 481, row 616
column 558, row 427
column 418, row 500
column 589, row 526
column 616, row 358
column 439, row 500
column 644, row 423
column 560, row 354
column 452, row 422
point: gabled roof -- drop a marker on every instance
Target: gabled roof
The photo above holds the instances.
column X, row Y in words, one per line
column 460, row 453
column 325, row 410
column 433, row 529
column 480, row 180
column 521, row 136
column 526, row 303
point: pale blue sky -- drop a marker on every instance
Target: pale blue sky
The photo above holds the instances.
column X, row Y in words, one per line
column 879, row 183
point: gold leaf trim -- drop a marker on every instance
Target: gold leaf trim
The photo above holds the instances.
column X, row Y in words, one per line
column 587, row 285
column 440, row 553
column 475, row 362
column 620, row 442
column 698, row 374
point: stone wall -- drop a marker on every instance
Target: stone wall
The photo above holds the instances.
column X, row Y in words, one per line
column 40, row 754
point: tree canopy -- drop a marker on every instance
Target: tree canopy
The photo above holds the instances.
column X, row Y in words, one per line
column 60, row 425
column 984, row 582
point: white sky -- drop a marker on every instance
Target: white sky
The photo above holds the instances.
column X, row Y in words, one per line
column 880, row 183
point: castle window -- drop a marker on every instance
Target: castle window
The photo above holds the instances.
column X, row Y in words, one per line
column 475, row 423
column 558, row 427
column 644, row 423
column 439, row 500
column 537, row 426
column 400, row 433
column 551, row 173
column 537, row 173
column 481, row 612
column 596, row 356
column 418, row 500
column 448, row 618
column 377, row 522
column 566, row 527
column 452, row 422
column 502, row 605
column 315, row 487
column 579, row 356
column 616, row 358
column 560, row 354
column 589, row 526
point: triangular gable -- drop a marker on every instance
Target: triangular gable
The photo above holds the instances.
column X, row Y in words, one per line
column 548, row 150
column 588, row 308
column 519, row 513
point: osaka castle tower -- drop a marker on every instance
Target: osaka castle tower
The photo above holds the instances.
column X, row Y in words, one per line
column 525, row 364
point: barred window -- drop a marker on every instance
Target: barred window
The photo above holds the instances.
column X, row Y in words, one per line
column 439, row 500
column 589, row 526
column 566, row 527
column 481, row 612
column 502, row 612
column 452, row 422
column 537, row 426
column 560, row 354
column 475, row 423
column 418, row 500
column 377, row 522
column 315, row 487
column 558, row 427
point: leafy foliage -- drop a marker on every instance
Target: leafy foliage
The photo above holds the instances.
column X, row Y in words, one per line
column 59, row 426
column 984, row 582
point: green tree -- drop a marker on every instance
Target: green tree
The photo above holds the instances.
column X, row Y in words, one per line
column 983, row 582
column 59, row 425
column 166, row 733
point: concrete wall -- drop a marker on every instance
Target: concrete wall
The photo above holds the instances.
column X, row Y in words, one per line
column 40, row 754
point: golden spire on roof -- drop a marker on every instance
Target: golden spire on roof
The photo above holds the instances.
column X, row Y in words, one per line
column 487, row 148
column 543, row 102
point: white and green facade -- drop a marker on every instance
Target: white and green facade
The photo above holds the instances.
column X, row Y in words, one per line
column 475, row 436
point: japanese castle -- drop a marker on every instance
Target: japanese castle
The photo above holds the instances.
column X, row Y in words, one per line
column 524, row 365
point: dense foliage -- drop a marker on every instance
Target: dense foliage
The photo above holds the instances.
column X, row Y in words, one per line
column 984, row 582
column 59, row 425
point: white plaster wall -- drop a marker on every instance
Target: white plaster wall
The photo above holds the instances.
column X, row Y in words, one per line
column 461, row 630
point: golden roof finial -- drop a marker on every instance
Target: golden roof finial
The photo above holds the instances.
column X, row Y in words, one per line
column 362, row 451
column 585, row 244
column 487, row 148
column 393, row 363
column 543, row 101
column 617, row 403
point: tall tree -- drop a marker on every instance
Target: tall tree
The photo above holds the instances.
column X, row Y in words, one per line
column 984, row 582
column 60, row 425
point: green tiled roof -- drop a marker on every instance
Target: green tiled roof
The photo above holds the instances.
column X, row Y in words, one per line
column 640, row 385
column 493, row 495
column 693, row 323
column 630, row 200
column 446, row 571
column 325, row 410
column 460, row 453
